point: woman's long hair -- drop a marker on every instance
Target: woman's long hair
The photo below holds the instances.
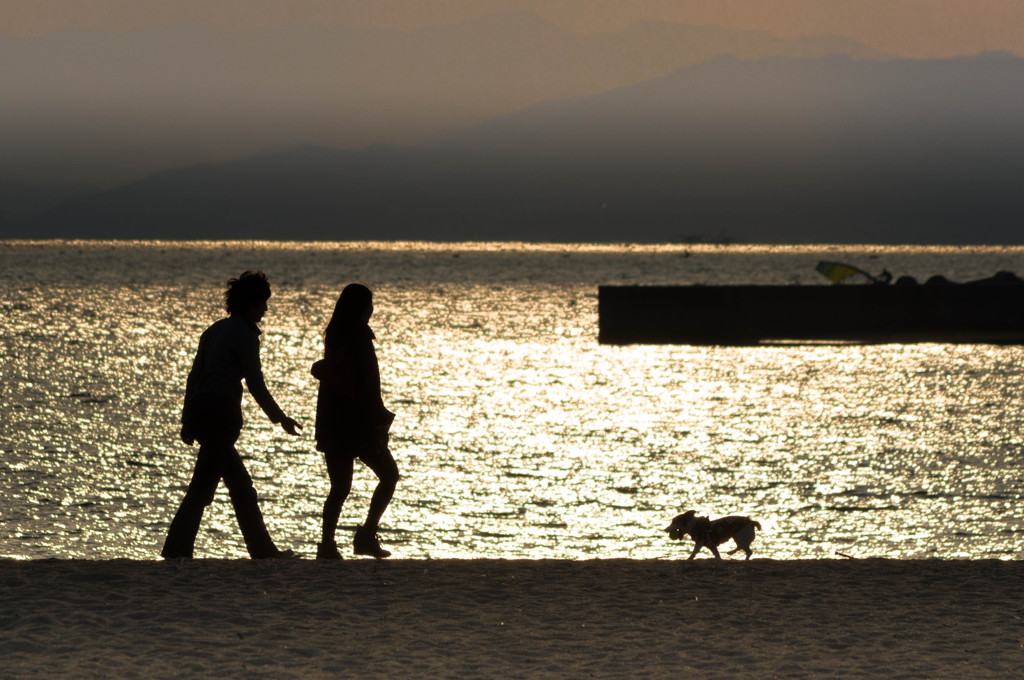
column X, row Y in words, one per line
column 348, row 312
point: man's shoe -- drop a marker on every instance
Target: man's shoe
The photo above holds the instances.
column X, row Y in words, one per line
column 327, row 551
column 366, row 543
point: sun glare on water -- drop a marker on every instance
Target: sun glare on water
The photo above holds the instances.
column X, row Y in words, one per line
column 517, row 435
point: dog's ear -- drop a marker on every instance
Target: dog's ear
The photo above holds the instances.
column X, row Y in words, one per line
column 680, row 520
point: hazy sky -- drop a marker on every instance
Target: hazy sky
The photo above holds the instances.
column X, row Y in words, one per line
column 912, row 28
column 114, row 103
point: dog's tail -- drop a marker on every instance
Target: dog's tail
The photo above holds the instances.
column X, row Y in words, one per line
column 757, row 525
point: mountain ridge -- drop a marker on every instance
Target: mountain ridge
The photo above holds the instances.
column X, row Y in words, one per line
column 778, row 150
column 105, row 109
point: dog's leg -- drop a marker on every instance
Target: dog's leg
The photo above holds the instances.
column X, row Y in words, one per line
column 697, row 545
column 714, row 551
column 745, row 547
column 744, row 537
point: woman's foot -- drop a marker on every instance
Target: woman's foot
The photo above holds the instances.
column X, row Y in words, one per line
column 366, row 543
column 327, row 551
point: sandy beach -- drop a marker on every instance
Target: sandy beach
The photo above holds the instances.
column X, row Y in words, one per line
column 511, row 619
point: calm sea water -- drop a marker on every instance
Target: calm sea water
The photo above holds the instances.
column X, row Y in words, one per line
column 517, row 434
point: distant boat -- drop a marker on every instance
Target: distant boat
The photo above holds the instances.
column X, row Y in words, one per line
column 986, row 311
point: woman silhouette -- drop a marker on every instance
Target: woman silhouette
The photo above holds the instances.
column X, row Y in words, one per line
column 351, row 420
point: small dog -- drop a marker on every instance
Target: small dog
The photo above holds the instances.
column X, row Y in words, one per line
column 712, row 534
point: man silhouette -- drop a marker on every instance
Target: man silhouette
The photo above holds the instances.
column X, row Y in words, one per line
column 229, row 351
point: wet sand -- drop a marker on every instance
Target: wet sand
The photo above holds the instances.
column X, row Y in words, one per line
column 512, row 619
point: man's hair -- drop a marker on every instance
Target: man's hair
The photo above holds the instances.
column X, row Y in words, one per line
column 249, row 288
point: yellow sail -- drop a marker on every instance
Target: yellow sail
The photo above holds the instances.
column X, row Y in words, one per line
column 837, row 271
